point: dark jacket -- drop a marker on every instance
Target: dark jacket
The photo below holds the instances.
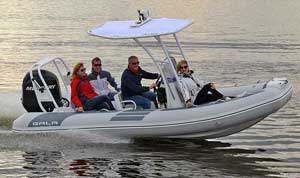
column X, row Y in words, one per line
column 104, row 74
column 131, row 82
column 85, row 88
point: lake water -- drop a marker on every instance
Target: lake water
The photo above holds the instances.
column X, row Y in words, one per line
column 231, row 42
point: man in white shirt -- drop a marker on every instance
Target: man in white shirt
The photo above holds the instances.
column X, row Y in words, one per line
column 100, row 79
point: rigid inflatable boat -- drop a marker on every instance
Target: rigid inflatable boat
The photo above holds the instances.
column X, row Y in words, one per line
column 49, row 111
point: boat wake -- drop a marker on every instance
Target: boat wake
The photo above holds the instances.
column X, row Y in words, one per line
column 10, row 105
column 10, row 108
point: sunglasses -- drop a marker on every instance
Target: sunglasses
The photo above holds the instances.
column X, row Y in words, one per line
column 183, row 67
column 135, row 63
column 82, row 70
column 97, row 65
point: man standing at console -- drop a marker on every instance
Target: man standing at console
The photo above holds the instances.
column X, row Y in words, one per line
column 131, row 86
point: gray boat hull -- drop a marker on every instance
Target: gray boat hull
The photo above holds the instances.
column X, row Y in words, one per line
column 211, row 120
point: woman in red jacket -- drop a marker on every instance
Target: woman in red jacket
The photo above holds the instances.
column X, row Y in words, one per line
column 83, row 95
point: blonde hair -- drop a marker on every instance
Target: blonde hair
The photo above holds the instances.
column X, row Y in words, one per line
column 179, row 65
column 76, row 69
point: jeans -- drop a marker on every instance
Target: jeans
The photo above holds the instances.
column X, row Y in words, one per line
column 97, row 103
column 111, row 95
column 143, row 100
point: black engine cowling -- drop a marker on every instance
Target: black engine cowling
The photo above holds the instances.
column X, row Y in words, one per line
column 29, row 99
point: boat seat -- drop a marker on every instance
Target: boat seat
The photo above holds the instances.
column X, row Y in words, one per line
column 121, row 104
column 174, row 93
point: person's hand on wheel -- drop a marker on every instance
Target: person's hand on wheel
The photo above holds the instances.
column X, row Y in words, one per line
column 153, row 85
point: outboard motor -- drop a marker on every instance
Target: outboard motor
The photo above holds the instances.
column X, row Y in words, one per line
column 29, row 99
